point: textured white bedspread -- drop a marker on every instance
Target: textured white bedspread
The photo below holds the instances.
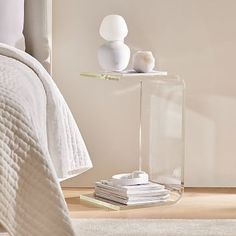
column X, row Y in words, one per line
column 39, row 142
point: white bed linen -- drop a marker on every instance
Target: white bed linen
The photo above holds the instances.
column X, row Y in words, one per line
column 39, row 140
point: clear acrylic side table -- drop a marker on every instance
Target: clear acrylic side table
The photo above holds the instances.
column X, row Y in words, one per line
column 161, row 147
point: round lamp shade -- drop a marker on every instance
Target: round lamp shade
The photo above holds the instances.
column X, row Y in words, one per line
column 113, row 28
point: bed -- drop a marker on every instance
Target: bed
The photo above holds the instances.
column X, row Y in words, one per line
column 40, row 142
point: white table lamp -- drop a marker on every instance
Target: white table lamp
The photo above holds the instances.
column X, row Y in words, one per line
column 113, row 55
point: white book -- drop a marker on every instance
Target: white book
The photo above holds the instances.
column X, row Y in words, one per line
column 132, row 197
column 137, row 194
column 106, row 203
column 134, row 189
column 133, row 202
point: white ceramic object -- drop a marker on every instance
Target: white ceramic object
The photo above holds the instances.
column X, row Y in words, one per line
column 143, row 61
column 114, row 56
column 134, row 178
column 113, row 28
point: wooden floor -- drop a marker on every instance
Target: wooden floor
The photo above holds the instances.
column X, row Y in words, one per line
column 197, row 203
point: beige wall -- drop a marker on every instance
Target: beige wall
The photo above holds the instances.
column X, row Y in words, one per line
column 193, row 38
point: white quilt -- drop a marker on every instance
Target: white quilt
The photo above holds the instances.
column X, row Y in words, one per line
column 39, row 142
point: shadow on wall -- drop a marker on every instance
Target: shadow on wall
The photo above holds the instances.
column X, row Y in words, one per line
column 193, row 38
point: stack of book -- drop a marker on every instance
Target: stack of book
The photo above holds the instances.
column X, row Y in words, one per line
column 132, row 195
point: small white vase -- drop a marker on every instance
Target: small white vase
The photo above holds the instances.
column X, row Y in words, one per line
column 114, row 56
column 143, row 61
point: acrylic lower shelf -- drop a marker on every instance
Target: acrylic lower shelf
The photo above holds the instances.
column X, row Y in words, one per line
column 175, row 196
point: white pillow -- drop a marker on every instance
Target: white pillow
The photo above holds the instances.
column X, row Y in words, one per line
column 12, row 23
